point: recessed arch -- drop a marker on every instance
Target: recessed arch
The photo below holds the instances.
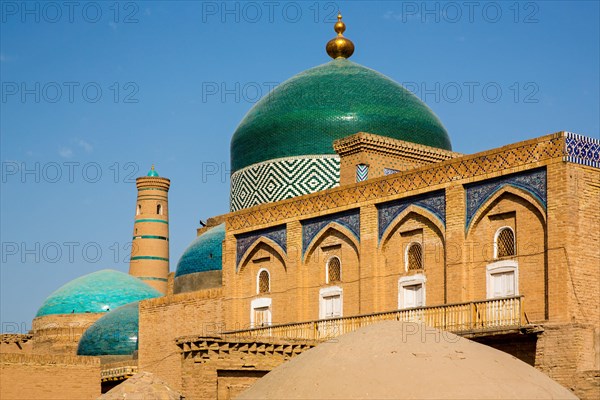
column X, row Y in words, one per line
column 262, row 241
column 412, row 209
column 326, row 231
column 503, row 191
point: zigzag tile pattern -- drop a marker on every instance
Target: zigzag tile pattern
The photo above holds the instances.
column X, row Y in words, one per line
column 282, row 179
column 499, row 160
column 362, row 172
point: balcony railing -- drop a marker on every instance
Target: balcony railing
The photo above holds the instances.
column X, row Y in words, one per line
column 460, row 318
column 118, row 370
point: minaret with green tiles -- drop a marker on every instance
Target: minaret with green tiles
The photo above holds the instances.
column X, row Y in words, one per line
column 150, row 247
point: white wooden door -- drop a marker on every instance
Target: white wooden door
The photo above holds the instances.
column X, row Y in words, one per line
column 413, row 296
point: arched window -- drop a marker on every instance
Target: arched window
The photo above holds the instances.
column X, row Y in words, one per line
column 263, row 284
column 159, row 209
column 139, row 209
column 414, row 257
column 504, row 243
column 334, row 270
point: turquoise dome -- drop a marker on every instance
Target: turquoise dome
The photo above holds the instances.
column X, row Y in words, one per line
column 116, row 333
column 97, row 292
column 204, row 254
column 306, row 113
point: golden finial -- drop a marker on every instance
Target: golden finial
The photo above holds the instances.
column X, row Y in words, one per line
column 340, row 47
column 152, row 167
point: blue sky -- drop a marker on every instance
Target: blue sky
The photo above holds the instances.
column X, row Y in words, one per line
column 93, row 95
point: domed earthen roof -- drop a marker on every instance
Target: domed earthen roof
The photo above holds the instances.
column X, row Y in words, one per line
column 399, row 360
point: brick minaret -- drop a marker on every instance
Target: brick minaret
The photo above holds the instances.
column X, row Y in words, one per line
column 150, row 246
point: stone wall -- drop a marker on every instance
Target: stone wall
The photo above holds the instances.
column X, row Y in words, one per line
column 36, row 376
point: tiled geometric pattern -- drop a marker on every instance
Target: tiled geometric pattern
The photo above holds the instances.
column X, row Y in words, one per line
column 116, row 333
column 520, row 154
column 311, row 227
column 533, row 181
column 281, row 179
column 435, row 202
column 582, row 150
column 362, row 172
column 97, row 292
column 278, row 234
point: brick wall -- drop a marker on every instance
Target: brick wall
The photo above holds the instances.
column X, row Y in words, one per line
column 166, row 318
column 36, row 376
column 60, row 333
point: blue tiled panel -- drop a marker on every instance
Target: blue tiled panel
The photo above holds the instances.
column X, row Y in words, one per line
column 582, row 150
column 532, row 181
column 116, row 333
column 96, row 292
column 278, row 234
column 204, row 254
column 362, row 172
column 434, row 202
column 310, row 228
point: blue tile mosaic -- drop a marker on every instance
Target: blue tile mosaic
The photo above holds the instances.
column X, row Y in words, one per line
column 390, row 171
column 532, row 181
column 582, row 150
column 278, row 234
column 204, row 254
column 97, row 292
column 311, row 227
column 362, row 172
column 435, row 202
column 116, row 333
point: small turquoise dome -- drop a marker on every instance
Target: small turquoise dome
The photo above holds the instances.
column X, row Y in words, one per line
column 152, row 172
column 97, row 292
column 204, row 254
column 308, row 112
column 116, row 333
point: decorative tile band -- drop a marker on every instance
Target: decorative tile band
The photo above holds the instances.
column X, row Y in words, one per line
column 435, row 202
column 311, row 227
column 532, row 181
column 149, row 258
column 277, row 234
column 282, row 179
column 472, row 166
column 152, row 278
column 151, row 237
column 582, row 150
column 152, row 220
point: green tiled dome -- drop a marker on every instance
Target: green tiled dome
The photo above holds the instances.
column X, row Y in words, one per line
column 204, row 254
column 95, row 293
column 306, row 113
column 116, row 333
